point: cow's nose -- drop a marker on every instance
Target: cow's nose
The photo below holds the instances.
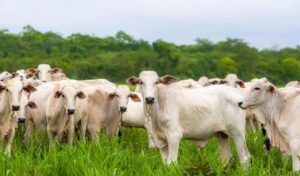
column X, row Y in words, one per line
column 15, row 107
column 149, row 100
column 71, row 111
column 240, row 105
column 123, row 109
column 44, row 81
column 21, row 120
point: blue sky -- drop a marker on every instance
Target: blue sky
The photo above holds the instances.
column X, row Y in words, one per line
column 262, row 23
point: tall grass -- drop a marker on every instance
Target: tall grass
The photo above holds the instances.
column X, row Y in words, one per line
column 131, row 156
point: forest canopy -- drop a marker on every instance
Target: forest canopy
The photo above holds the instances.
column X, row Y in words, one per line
column 120, row 56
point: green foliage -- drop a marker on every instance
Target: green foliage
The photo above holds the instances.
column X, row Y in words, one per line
column 131, row 156
column 226, row 65
column 120, row 56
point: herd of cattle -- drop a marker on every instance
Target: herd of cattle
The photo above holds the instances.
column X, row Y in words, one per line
column 169, row 109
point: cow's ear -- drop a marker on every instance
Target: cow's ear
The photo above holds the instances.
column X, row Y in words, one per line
column 241, row 83
column 167, row 80
column 81, row 95
column 14, row 74
column 111, row 96
column 214, row 82
column 31, row 70
column 29, row 88
column 57, row 94
column 223, row 81
column 132, row 81
column 30, row 75
column 56, row 70
column 31, row 105
column 271, row 89
column 134, row 97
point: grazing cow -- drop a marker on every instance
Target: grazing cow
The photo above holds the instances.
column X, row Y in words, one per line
column 5, row 76
column 131, row 109
column 102, row 111
column 293, row 83
column 46, row 73
column 233, row 81
column 66, row 106
column 281, row 112
column 213, row 81
column 203, row 80
column 9, row 105
column 35, row 110
column 188, row 83
column 196, row 114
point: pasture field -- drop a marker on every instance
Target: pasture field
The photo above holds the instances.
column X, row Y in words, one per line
column 131, row 156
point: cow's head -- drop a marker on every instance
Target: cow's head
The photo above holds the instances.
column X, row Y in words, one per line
column 44, row 72
column 122, row 96
column 203, row 80
column 233, row 81
column 15, row 87
column 258, row 94
column 5, row 76
column 68, row 94
column 148, row 82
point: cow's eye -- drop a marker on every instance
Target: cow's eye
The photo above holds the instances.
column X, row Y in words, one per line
column 157, row 82
column 141, row 82
column 63, row 95
column 256, row 88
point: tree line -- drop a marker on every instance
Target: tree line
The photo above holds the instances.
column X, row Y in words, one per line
column 120, row 56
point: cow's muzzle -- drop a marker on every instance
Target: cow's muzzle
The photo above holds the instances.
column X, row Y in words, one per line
column 123, row 109
column 21, row 120
column 149, row 100
column 71, row 111
column 15, row 107
column 241, row 105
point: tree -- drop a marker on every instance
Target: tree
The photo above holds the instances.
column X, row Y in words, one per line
column 226, row 65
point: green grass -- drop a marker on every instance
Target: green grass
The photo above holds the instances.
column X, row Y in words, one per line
column 131, row 156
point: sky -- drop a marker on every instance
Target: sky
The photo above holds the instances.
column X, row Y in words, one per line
column 261, row 23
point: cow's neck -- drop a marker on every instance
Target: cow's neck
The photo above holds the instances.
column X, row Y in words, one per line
column 272, row 110
column 4, row 107
column 273, row 107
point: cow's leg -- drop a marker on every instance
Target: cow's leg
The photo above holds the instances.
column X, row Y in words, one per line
column 224, row 149
column 295, row 151
column 51, row 137
column 71, row 130
column 92, row 130
column 173, row 147
column 29, row 130
column 83, row 124
column 252, row 128
column 242, row 150
column 151, row 143
column 9, row 139
column 164, row 153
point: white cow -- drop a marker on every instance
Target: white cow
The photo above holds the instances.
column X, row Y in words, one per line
column 102, row 112
column 5, row 76
column 46, row 73
column 293, row 84
column 131, row 109
column 281, row 113
column 196, row 114
column 66, row 106
column 9, row 104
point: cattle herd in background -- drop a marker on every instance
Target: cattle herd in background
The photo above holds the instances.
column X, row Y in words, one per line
column 168, row 108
